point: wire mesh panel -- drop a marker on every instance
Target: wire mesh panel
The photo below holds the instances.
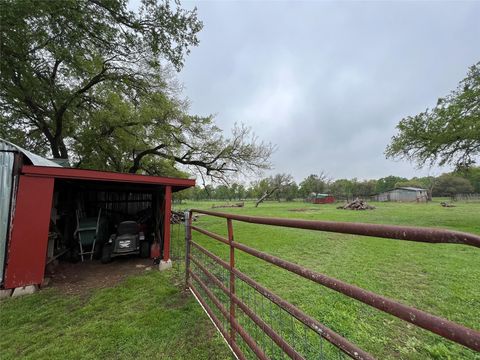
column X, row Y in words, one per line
column 302, row 340
column 177, row 243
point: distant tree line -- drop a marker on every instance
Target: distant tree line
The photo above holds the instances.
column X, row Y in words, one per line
column 282, row 187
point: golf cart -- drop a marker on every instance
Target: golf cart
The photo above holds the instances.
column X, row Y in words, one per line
column 129, row 239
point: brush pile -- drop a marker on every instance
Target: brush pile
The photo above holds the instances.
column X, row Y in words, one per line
column 242, row 204
column 445, row 204
column 357, row 204
column 178, row 217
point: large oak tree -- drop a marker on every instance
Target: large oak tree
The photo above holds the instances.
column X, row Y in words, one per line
column 447, row 134
column 93, row 82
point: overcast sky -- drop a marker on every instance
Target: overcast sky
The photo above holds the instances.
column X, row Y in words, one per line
column 328, row 81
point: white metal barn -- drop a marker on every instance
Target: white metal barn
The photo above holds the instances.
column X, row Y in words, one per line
column 403, row 194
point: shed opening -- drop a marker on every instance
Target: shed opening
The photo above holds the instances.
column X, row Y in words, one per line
column 103, row 221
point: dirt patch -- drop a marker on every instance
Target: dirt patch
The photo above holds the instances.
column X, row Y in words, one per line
column 303, row 210
column 178, row 300
column 81, row 278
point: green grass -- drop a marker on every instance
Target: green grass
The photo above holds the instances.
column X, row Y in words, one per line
column 150, row 317
column 443, row 279
column 146, row 317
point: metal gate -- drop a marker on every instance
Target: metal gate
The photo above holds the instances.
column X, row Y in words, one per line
column 225, row 293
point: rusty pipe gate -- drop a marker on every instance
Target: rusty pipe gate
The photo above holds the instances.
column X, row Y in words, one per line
column 227, row 320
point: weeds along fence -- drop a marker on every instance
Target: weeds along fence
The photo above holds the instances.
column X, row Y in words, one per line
column 257, row 323
column 466, row 197
column 177, row 244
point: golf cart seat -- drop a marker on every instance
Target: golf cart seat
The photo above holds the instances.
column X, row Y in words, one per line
column 128, row 227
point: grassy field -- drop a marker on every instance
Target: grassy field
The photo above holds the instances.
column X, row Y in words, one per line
column 146, row 317
column 149, row 316
column 443, row 279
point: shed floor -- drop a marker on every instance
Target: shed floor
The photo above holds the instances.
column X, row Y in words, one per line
column 81, row 278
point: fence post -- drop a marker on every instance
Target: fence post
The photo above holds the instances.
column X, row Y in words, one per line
column 232, row 280
column 188, row 237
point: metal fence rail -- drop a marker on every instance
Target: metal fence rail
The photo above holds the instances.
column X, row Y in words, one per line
column 223, row 290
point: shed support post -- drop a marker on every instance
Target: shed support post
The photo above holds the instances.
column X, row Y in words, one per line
column 166, row 263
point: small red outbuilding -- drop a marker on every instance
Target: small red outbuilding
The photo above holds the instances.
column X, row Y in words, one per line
column 43, row 197
column 321, row 199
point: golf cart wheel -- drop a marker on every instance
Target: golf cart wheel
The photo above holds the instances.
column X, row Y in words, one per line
column 97, row 252
column 144, row 249
column 74, row 255
column 106, row 253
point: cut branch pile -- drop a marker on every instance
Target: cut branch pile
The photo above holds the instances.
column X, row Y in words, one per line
column 445, row 204
column 242, row 204
column 178, row 217
column 357, row 204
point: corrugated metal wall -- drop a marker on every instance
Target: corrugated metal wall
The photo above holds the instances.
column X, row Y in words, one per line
column 7, row 163
column 401, row 195
column 404, row 195
column 6, row 168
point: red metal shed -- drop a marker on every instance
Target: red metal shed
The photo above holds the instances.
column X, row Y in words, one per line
column 321, row 198
column 31, row 213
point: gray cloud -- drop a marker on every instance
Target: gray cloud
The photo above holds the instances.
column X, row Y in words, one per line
column 328, row 81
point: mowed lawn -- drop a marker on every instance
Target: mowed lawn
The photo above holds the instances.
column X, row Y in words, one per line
column 443, row 279
column 149, row 316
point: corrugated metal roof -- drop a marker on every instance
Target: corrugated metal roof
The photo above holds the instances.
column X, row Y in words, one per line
column 34, row 158
column 318, row 196
column 408, row 188
column 411, row 188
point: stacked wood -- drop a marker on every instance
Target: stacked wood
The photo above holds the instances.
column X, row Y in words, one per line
column 178, row 217
column 357, row 204
column 242, row 204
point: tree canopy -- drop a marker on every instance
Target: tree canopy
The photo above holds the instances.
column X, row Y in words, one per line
column 388, row 183
column 277, row 186
column 449, row 185
column 314, row 184
column 94, row 82
column 447, row 134
column 472, row 174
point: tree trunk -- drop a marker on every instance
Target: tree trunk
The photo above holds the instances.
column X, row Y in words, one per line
column 265, row 196
column 59, row 150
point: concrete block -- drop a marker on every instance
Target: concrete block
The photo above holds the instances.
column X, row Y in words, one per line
column 164, row 265
column 25, row 290
column 4, row 293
